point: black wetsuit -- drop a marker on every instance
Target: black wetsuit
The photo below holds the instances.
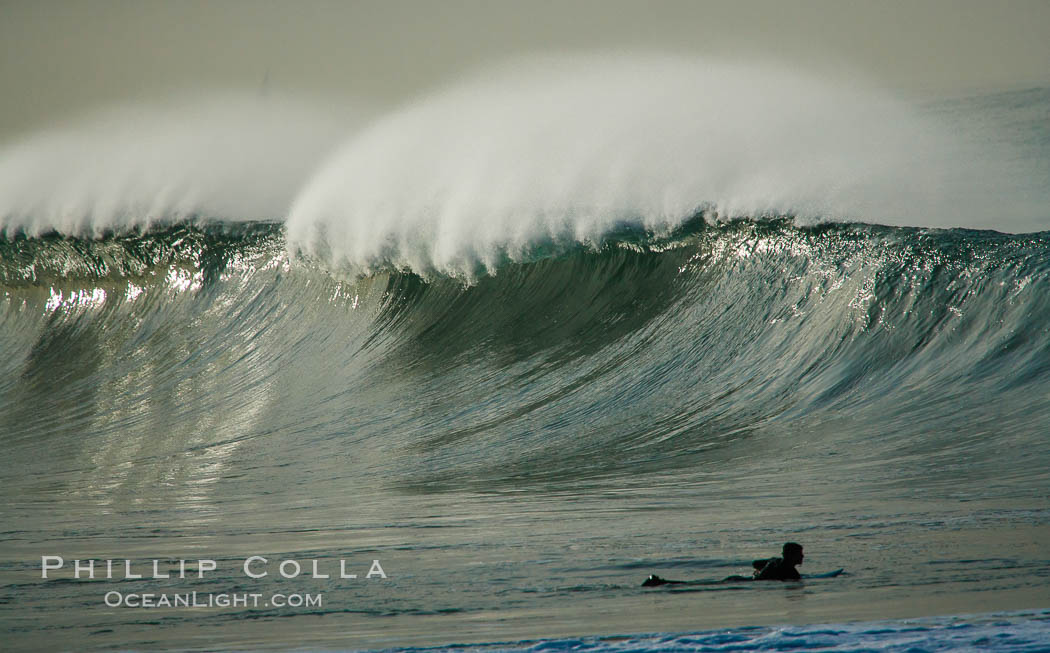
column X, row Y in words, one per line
column 775, row 569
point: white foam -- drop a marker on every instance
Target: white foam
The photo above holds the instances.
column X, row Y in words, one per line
column 566, row 149
column 228, row 156
column 558, row 149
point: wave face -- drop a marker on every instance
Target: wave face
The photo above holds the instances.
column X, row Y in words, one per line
column 651, row 354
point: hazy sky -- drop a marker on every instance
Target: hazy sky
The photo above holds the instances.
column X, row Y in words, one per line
column 64, row 57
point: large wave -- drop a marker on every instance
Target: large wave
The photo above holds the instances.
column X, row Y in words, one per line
column 905, row 352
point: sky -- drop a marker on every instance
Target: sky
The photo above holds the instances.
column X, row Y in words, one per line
column 61, row 58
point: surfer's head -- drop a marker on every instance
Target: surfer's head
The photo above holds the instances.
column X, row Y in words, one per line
column 793, row 553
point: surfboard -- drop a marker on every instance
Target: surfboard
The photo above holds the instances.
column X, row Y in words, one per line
column 655, row 581
column 829, row 574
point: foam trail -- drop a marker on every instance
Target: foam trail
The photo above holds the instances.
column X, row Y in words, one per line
column 563, row 150
column 227, row 156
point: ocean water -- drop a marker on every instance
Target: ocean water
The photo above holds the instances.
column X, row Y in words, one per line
column 524, row 354
column 1003, row 632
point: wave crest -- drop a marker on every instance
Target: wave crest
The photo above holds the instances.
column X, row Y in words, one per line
column 564, row 151
column 228, row 156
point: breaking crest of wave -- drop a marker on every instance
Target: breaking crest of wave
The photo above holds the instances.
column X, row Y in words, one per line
column 565, row 150
column 534, row 156
column 228, row 156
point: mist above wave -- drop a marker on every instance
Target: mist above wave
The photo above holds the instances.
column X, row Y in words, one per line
column 228, row 156
column 565, row 150
column 534, row 154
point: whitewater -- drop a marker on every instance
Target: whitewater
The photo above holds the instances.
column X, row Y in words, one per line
column 527, row 339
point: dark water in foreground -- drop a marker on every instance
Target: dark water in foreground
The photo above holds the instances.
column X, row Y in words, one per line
column 519, row 452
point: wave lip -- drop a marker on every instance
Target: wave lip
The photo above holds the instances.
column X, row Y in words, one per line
column 540, row 154
column 565, row 151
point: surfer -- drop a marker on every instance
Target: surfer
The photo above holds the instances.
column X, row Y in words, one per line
column 780, row 568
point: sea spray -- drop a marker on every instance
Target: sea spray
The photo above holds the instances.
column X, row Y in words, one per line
column 566, row 150
column 226, row 156
column 535, row 155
